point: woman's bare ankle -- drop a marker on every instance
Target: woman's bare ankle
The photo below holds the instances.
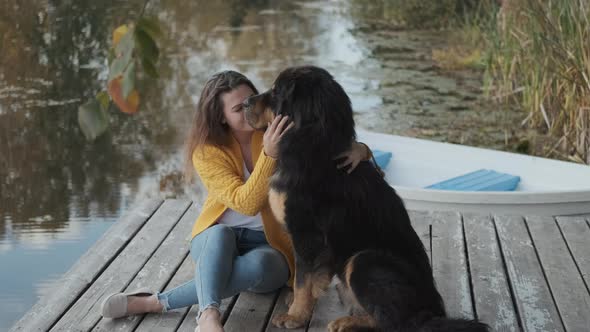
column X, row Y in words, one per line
column 210, row 320
column 143, row 304
column 210, row 313
column 155, row 305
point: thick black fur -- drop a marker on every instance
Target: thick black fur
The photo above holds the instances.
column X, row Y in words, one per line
column 335, row 218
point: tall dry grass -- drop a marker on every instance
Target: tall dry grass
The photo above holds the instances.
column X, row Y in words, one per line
column 539, row 56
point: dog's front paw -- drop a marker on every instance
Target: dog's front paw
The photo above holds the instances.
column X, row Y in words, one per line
column 343, row 324
column 288, row 321
column 289, row 299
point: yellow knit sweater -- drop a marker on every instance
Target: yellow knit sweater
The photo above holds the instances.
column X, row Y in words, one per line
column 222, row 173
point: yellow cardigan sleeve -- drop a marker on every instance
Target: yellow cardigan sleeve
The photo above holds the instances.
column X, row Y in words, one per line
column 217, row 171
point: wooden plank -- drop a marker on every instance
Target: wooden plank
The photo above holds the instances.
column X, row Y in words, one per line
column 578, row 216
column 493, row 302
column 421, row 223
column 158, row 271
column 449, row 264
column 568, row 289
column 577, row 234
column 327, row 309
column 251, row 312
column 85, row 313
column 48, row 310
column 189, row 323
column 170, row 320
column 532, row 296
column 190, row 320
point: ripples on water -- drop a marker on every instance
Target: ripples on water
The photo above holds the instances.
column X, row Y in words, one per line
column 59, row 193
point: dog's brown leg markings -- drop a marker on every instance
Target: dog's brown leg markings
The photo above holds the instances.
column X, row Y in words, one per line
column 348, row 270
column 289, row 299
column 351, row 323
column 348, row 300
column 320, row 282
column 305, row 295
column 301, row 308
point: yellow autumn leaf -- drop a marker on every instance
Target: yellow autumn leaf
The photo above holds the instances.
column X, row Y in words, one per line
column 119, row 33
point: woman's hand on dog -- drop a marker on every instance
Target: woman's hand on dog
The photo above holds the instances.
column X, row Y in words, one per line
column 351, row 158
column 275, row 130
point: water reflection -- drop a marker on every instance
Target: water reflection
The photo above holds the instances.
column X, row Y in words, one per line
column 58, row 192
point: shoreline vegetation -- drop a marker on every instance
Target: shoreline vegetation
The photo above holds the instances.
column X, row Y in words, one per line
column 534, row 56
column 538, row 56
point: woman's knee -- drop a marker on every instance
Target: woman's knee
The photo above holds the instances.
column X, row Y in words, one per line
column 217, row 235
column 272, row 269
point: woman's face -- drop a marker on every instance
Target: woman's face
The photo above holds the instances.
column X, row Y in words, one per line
column 232, row 108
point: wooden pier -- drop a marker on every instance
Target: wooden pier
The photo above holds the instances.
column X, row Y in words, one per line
column 516, row 273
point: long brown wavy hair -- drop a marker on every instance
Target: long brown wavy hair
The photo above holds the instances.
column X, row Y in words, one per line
column 208, row 126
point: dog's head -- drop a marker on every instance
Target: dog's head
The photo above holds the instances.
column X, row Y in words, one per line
column 312, row 99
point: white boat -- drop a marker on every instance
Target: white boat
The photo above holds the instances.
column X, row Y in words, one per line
column 546, row 187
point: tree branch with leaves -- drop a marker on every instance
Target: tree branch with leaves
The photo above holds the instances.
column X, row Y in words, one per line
column 133, row 45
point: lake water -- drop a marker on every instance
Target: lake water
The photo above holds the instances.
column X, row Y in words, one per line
column 59, row 193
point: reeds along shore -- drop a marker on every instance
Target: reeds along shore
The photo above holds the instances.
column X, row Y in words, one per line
column 535, row 54
column 539, row 56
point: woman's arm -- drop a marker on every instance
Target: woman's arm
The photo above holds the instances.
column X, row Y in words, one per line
column 215, row 168
column 357, row 153
column 216, row 171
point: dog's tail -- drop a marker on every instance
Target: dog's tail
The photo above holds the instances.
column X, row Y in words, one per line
column 398, row 292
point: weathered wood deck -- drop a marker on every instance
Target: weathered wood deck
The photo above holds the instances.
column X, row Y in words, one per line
column 514, row 273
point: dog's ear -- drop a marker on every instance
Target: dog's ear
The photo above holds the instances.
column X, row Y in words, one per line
column 285, row 98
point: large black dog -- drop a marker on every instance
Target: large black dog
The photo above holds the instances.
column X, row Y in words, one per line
column 351, row 225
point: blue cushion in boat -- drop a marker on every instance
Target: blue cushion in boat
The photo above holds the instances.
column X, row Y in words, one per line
column 382, row 158
column 480, row 180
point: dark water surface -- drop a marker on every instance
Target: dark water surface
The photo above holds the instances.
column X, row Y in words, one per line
column 59, row 193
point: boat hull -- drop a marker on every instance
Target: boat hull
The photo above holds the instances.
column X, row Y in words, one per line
column 548, row 187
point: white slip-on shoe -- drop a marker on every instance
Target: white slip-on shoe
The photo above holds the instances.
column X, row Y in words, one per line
column 115, row 305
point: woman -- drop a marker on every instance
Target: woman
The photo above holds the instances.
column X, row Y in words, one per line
column 236, row 242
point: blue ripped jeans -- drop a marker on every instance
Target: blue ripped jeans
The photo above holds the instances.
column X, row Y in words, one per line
column 228, row 261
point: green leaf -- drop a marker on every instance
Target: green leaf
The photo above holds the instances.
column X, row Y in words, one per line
column 149, row 68
column 126, row 44
column 111, row 56
column 151, row 26
column 93, row 120
column 117, row 68
column 119, row 65
column 147, row 46
column 103, row 99
column 129, row 80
